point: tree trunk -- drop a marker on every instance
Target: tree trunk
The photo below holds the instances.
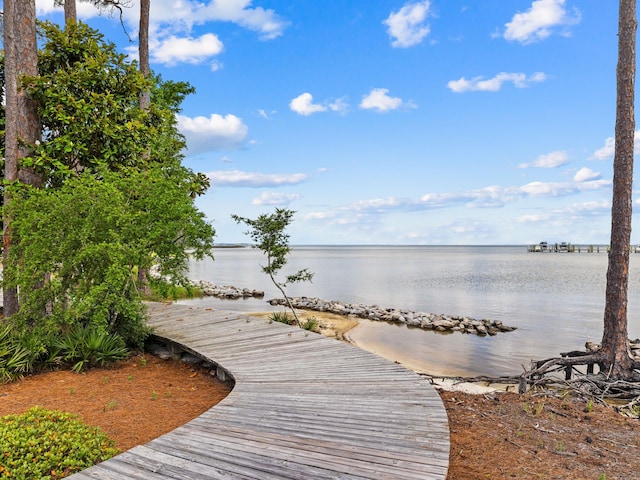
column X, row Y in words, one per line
column 22, row 124
column 617, row 361
column 10, row 295
column 70, row 14
column 145, row 101
column 143, row 49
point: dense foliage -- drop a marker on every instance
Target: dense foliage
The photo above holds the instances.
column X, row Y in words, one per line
column 24, row 351
column 116, row 199
column 87, row 96
column 48, row 444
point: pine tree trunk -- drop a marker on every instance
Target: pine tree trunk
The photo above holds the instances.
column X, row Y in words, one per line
column 10, row 295
column 143, row 49
column 617, row 361
column 70, row 11
column 22, row 123
column 145, row 101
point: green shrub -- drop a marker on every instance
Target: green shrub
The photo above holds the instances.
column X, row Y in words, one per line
column 49, row 445
column 19, row 353
column 163, row 290
column 89, row 346
column 28, row 351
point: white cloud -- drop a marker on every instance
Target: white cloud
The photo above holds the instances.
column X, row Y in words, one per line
column 173, row 50
column 487, row 197
column 539, row 21
column 172, row 22
column 266, row 115
column 587, row 209
column 275, row 198
column 303, row 105
column 549, row 160
column 172, row 17
column 569, row 213
column 44, row 7
column 407, row 26
column 364, row 214
column 318, row 215
column 378, row 204
column 533, row 218
column 479, row 84
column 556, row 189
column 608, row 150
column 379, row 99
column 497, row 196
column 215, row 132
column 586, row 174
column 84, row 10
column 264, row 21
column 237, row 178
column 339, row 105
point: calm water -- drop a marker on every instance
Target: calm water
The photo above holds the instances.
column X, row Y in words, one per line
column 555, row 299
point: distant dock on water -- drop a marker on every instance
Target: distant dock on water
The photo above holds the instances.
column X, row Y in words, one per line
column 564, row 247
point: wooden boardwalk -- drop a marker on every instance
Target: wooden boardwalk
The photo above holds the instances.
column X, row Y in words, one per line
column 303, row 407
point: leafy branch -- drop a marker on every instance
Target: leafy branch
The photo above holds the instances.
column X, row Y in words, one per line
column 267, row 231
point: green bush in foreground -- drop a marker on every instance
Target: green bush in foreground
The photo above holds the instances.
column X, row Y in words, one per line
column 48, row 444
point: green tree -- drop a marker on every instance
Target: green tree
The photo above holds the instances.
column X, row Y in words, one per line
column 116, row 197
column 89, row 237
column 267, row 231
column 87, row 97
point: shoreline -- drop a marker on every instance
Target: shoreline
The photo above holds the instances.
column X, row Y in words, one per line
column 338, row 326
column 425, row 321
column 336, row 319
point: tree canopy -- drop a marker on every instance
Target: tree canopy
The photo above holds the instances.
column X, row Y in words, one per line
column 115, row 198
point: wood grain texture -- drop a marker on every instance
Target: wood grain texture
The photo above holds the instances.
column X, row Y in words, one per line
column 303, row 407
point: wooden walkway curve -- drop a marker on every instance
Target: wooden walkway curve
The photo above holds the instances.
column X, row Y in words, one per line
column 303, row 407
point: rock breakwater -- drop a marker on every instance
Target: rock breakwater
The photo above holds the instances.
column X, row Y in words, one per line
column 426, row 321
column 226, row 291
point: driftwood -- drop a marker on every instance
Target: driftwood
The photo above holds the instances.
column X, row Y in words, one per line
column 560, row 376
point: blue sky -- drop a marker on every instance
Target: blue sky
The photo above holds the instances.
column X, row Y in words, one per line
column 394, row 122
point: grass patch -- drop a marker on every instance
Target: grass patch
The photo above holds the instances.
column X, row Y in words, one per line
column 311, row 324
column 282, row 317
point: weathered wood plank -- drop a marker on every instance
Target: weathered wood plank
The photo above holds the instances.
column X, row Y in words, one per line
column 303, row 407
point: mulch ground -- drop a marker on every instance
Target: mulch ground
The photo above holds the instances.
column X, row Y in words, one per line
column 133, row 401
column 496, row 436
column 506, row 436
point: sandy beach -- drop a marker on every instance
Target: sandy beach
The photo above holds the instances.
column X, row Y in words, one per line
column 339, row 326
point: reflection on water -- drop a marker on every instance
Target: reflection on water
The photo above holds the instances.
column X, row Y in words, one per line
column 555, row 299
